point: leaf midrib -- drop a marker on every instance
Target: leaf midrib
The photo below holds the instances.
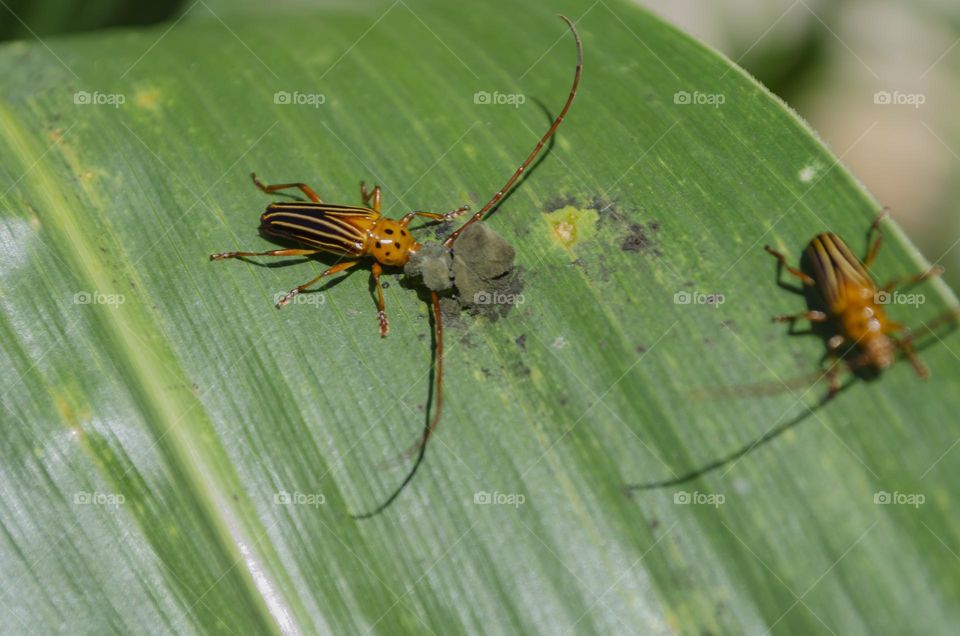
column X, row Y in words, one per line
column 152, row 367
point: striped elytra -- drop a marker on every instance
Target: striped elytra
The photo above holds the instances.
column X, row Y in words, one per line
column 338, row 229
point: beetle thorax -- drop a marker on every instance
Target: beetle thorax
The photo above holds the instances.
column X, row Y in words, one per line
column 390, row 242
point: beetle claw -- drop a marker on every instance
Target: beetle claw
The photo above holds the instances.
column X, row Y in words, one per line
column 384, row 325
column 286, row 299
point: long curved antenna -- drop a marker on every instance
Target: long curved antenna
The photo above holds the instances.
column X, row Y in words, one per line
column 951, row 317
column 449, row 241
column 717, row 463
column 421, row 445
column 767, row 437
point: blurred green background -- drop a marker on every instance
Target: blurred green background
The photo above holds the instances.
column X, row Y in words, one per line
column 837, row 62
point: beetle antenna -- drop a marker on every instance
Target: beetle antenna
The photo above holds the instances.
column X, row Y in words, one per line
column 449, row 241
column 420, row 447
column 731, row 458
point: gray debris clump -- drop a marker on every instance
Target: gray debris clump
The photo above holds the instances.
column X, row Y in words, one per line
column 481, row 269
column 433, row 263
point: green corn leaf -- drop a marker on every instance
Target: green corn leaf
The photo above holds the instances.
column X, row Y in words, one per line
column 180, row 456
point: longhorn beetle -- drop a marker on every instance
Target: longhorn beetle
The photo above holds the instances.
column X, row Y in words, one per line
column 849, row 305
column 852, row 305
column 357, row 232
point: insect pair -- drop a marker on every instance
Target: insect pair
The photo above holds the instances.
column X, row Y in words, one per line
column 361, row 232
column 848, row 309
column 846, row 303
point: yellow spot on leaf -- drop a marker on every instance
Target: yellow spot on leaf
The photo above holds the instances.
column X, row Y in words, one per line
column 147, row 98
column 65, row 411
column 72, row 409
column 572, row 225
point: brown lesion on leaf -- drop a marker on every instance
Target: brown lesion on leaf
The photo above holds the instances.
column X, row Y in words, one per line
column 640, row 238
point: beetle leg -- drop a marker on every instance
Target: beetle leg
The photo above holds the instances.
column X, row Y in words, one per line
column 339, row 267
column 287, row 252
column 307, row 190
column 782, row 262
column 874, row 247
column 812, row 316
column 375, row 272
column 933, row 272
column 371, row 199
column 405, row 221
column 905, row 344
column 834, row 343
column 833, row 377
